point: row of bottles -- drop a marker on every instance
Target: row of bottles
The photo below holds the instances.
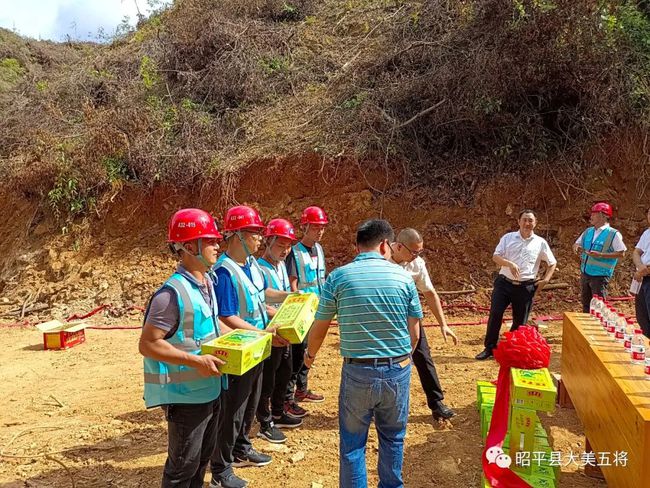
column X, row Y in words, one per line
column 621, row 329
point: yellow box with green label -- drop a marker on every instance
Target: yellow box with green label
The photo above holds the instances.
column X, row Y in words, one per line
column 532, row 388
column 295, row 317
column 538, row 481
column 486, row 417
column 240, row 349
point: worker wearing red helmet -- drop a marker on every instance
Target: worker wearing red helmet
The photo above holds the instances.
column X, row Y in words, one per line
column 176, row 377
column 280, row 236
column 242, row 292
column 600, row 246
column 306, row 268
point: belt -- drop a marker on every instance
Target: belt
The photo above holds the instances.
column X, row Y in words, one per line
column 377, row 361
column 518, row 283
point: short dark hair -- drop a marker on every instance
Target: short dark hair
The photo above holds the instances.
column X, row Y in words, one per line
column 526, row 210
column 373, row 231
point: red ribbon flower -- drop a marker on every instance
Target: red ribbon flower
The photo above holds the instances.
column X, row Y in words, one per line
column 525, row 348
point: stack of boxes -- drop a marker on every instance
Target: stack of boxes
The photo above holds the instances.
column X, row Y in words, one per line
column 531, row 391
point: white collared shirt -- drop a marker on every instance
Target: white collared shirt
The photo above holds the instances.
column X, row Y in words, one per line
column 418, row 271
column 617, row 243
column 525, row 253
column 644, row 246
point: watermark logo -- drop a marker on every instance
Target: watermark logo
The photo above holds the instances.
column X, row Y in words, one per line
column 495, row 455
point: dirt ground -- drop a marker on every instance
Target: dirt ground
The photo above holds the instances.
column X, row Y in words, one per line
column 84, row 406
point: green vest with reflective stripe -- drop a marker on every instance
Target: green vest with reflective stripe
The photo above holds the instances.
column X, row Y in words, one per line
column 277, row 278
column 603, row 243
column 166, row 383
column 250, row 294
column 311, row 276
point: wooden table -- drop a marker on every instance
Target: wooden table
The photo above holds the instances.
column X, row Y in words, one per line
column 611, row 397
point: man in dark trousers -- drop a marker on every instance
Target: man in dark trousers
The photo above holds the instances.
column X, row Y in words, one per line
column 406, row 252
column 519, row 254
column 600, row 246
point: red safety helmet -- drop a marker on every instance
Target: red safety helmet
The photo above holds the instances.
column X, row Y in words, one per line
column 242, row 217
column 313, row 215
column 602, row 207
column 280, row 228
column 189, row 224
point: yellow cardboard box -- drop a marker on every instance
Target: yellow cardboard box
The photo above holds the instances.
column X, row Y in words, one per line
column 484, row 390
column 523, row 425
column 295, row 317
column 532, row 388
column 62, row 335
column 240, row 349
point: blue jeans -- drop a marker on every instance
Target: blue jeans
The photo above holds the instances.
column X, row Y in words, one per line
column 381, row 392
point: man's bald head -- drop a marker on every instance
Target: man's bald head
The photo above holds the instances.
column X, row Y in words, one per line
column 409, row 236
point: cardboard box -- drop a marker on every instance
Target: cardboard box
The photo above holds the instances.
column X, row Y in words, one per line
column 484, row 389
column 486, row 417
column 62, row 335
column 240, row 349
column 487, row 399
column 537, row 481
column 523, row 423
column 295, row 317
column 532, row 388
column 537, row 470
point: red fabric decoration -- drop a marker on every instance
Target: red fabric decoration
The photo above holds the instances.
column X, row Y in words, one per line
column 524, row 348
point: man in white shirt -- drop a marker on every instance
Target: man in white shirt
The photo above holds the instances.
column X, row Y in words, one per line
column 641, row 258
column 600, row 246
column 519, row 254
column 406, row 252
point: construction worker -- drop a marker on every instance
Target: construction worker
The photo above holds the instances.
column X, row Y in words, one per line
column 600, row 246
column 306, row 269
column 181, row 316
column 280, row 235
column 241, row 292
column 406, row 252
column 519, row 255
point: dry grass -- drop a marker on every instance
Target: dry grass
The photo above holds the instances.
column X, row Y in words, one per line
column 455, row 90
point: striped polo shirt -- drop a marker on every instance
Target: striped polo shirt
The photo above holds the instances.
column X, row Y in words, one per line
column 373, row 299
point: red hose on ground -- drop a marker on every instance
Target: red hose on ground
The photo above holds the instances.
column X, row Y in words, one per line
column 469, row 306
column 119, row 327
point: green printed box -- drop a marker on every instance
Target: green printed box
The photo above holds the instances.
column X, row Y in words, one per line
column 487, row 399
column 295, row 317
column 240, row 349
column 532, row 388
column 537, row 481
column 523, row 423
column 486, row 417
column 538, row 470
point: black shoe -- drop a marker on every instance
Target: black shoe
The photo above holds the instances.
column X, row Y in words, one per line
column 271, row 433
column 252, row 458
column 287, row 422
column 484, row 354
column 442, row 411
column 230, row 481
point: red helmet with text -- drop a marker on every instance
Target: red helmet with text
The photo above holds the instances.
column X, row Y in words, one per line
column 189, row 224
column 242, row 217
column 313, row 215
column 280, row 228
column 602, row 207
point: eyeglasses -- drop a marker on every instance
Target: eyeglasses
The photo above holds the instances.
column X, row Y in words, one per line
column 415, row 254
